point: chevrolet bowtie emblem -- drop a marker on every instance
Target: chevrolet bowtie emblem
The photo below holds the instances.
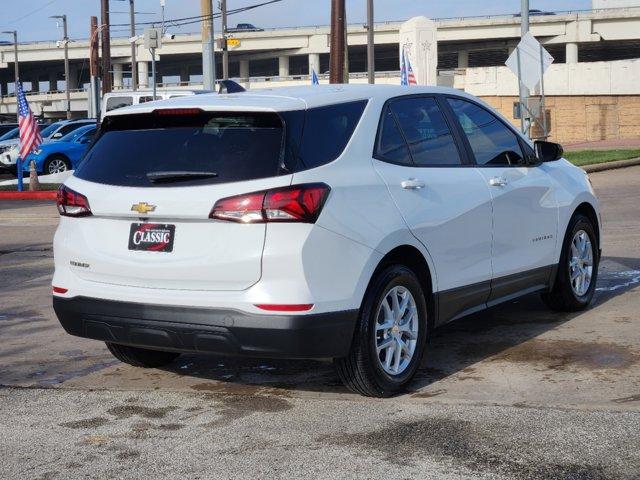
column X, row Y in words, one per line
column 143, row 208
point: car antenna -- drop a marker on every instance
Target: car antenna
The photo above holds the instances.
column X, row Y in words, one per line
column 229, row 86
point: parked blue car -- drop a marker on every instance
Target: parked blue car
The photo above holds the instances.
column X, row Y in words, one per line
column 63, row 155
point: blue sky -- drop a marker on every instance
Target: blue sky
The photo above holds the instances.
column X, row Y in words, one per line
column 32, row 22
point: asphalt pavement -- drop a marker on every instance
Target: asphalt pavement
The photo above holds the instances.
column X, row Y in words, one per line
column 513, row 392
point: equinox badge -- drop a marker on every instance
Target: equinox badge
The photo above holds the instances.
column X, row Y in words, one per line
column 143, row 208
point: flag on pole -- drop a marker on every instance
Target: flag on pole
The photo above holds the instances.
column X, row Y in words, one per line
column 403, row 70
column 411, row 77
column 314, row 77
column 30, row 138
column 407, row 77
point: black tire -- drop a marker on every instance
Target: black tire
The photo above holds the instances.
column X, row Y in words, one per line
column 360, row 370
column 562, row 296
column 53, row 158
column 141, row 357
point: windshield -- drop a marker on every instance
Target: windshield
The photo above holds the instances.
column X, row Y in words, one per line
column 70, row 137
column 47, row 132
column 10, row 135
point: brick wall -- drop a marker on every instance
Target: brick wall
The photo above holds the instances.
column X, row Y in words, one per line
column 576, row 119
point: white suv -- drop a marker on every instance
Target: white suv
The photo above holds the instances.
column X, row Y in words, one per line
column 342, row 222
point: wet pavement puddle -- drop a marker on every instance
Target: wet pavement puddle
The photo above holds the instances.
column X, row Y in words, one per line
column 616, row 280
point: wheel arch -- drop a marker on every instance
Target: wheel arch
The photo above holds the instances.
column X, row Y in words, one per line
column 586, row 209
column 411, row 257
column 56, row 155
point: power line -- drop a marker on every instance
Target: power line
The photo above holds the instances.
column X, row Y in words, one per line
column 177, row 22
column 33, row 12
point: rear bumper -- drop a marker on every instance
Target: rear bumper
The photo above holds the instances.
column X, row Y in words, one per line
column 206, row 330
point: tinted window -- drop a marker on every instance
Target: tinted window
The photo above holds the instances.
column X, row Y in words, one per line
column 426, row 131
column 492, row 142
column 70, row 128
column 47, row 132
column 146, row 99
column 234, row 146
column 87, row 136
column 391, row 145
column 113, row 103
column 325, row 132
column 5, row 129
column 10, row 135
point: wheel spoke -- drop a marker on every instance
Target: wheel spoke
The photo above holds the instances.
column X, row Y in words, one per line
column 384, row 326
column 397, row 357
column 389, row 355
column 395, row 306
column 385, row 344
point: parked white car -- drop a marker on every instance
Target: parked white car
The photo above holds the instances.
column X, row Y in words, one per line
column 342, row 222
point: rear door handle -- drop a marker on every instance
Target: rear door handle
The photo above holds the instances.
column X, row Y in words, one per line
column 412, row 184
column 498, row 182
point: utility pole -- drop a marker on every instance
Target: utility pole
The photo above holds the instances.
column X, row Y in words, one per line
column 65, row 39
column 16, row 66
column 208, row 48
column 225, row 50
column 524, row 91
column 371, row 68
column 337, row 44
column 134, row 63
column 106, row 46
column 94, row 68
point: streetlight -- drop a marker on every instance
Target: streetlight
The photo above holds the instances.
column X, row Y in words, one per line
column 15, row 54
column 66, row 60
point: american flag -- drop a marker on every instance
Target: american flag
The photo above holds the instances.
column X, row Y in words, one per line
column 407, row 77
column 30, row 138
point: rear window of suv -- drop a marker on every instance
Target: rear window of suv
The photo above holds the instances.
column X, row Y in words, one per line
column 226, row 147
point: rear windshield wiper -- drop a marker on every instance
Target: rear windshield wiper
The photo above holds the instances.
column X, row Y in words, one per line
column 178, row 176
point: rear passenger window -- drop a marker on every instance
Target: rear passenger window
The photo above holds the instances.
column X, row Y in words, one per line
column 426, row 131
column 391, row 145
column 492, row 142
column 326, row 132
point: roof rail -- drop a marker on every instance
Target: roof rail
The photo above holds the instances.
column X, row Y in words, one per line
column 229, row 86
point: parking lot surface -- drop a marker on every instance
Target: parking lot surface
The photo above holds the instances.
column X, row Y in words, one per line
column 514, row 392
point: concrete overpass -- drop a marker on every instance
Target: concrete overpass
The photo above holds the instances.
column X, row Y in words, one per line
column 286, row 56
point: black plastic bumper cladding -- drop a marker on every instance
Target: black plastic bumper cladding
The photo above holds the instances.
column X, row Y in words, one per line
column 205, row 330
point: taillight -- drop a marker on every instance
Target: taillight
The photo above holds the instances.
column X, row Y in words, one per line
column 71, row 203
column 298, row 203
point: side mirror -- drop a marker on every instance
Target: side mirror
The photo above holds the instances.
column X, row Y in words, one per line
column 548, row 151
column 57, row 135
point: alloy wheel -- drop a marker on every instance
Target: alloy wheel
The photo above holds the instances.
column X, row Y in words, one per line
column 57, row 166
column 581, row 263
column 397, row 327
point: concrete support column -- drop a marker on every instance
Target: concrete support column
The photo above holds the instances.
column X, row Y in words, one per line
column 73, row 78
column 184, row 74
column 244, row 72
column 35, row 84
column 143, row 74
column 53, row 81
column 283, row 66
column 572, row 53
column 463, row 59
column 314, row 63
column 117, row 76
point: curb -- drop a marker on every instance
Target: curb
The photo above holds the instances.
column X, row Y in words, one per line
column 601, row 167
column 47, row 195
